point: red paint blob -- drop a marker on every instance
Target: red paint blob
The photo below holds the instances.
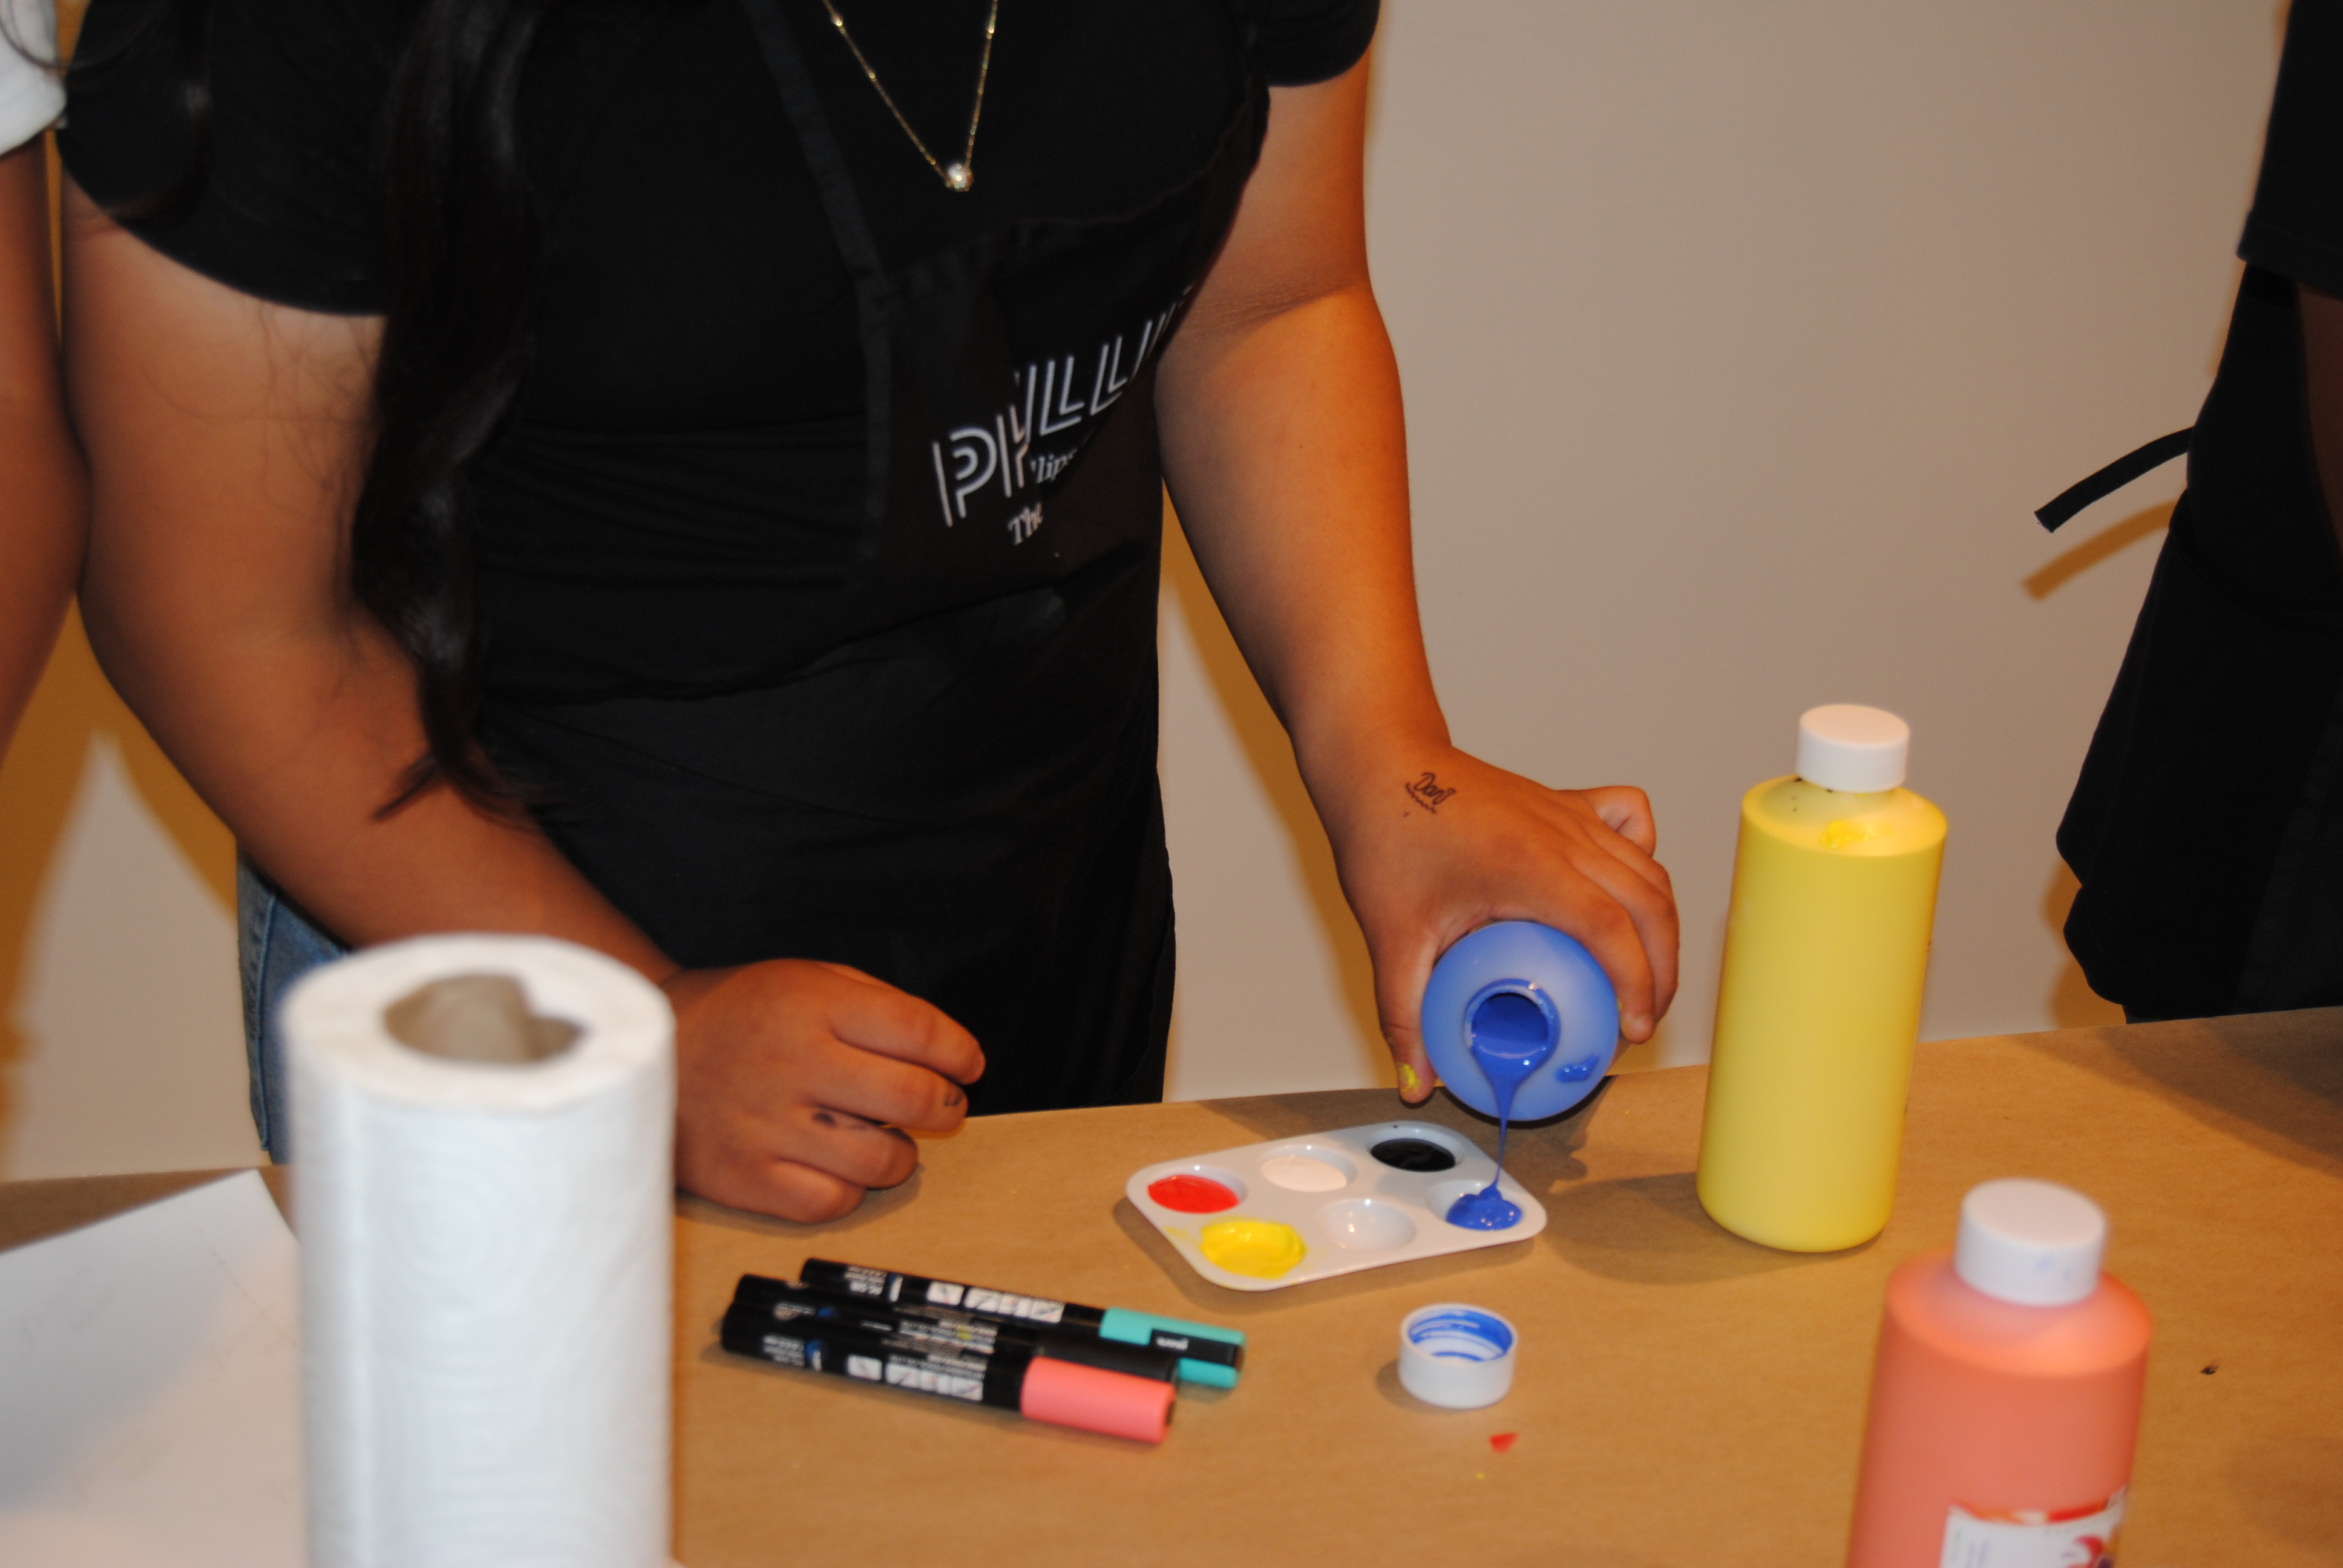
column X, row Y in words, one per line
column 1504, row 1441
column 1191, row 1195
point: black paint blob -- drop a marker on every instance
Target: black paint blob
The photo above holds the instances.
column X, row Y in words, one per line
column 1413, row 1155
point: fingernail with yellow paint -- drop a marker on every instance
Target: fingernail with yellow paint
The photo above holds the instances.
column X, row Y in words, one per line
column 1408, row 1080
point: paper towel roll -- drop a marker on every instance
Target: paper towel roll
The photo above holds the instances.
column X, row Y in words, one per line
column 485, row 1256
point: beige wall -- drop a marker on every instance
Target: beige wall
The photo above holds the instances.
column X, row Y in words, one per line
column 121, row 1046
column 1739, row 340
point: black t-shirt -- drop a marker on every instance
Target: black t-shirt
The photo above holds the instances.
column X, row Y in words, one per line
column 2207, row 828
column 2295, row 227
column 674, row 505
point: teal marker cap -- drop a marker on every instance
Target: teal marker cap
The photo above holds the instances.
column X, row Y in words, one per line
column 1217, row 1368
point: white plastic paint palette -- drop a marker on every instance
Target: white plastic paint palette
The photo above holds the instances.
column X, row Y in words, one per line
column 1302, row 1209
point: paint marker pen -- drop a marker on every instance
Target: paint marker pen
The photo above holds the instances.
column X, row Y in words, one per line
column 955, row 1331
column 1012, row 1378
column 1207, row 1354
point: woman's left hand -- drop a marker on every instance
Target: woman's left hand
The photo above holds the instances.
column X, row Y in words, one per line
column 1437, row 845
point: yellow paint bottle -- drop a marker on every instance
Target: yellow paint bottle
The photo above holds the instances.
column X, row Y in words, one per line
column 1825, row 952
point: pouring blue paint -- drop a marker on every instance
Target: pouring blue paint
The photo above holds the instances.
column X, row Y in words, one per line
column 1512, row 1036
column 1521, row 1023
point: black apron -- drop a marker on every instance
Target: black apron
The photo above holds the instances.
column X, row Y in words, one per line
column 960, row 797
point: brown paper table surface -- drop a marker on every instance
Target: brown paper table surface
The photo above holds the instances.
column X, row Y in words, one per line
column 1683, row 1397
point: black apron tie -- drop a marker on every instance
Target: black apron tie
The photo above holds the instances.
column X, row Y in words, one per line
column 2114, row 478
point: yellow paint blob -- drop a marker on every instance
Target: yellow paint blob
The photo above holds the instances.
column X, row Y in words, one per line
column 1261, row 1249
column 1407, row 1078
column 1845, row 832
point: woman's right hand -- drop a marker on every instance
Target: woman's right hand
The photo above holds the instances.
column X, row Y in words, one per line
column 797, row 1084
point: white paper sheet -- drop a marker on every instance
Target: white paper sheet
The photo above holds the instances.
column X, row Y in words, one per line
column 150, row 1372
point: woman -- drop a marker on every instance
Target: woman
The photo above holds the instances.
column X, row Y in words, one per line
column 2207, row 828
column 733, row 430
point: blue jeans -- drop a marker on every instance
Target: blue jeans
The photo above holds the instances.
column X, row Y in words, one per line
column 275, row 945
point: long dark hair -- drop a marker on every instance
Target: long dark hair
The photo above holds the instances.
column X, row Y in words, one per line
column 461, row 256
column 462, row 251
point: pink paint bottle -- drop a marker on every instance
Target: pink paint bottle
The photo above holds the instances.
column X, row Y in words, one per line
column 2005, row 1400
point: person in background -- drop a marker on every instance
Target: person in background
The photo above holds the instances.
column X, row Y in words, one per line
column 42, row 501
column 2207, row 829
column 687, row 479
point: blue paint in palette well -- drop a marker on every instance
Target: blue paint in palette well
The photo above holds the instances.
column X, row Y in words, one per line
column 1484, row 1211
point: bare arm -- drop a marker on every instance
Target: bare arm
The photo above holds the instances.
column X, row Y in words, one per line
column 1285, row 450
column 41, row 524
column 226, row 437
column 2322, row 346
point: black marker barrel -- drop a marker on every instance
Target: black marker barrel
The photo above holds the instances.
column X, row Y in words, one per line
column 1012, row 1378
column 1208, row 1354
column 897, row 1290
column 842, row 1350
column 955, row 1330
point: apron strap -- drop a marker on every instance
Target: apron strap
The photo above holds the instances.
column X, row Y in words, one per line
column 2114, row 478
column 849, row 228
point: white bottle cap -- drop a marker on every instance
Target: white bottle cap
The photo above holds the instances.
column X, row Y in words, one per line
column 1855, row 750
column 1456, row 1356
column 2034, row 1244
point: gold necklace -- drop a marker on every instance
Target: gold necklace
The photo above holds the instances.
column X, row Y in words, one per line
column 961, row 173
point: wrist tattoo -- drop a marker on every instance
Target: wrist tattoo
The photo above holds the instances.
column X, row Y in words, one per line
column 1427, row 793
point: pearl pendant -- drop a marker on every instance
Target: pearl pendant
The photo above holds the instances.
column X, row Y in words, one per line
column 957, row 176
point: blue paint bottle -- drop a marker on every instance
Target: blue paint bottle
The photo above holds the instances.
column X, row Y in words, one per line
column 1521, row 1023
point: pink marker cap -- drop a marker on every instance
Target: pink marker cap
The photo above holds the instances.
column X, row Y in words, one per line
column 1097, row 1400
